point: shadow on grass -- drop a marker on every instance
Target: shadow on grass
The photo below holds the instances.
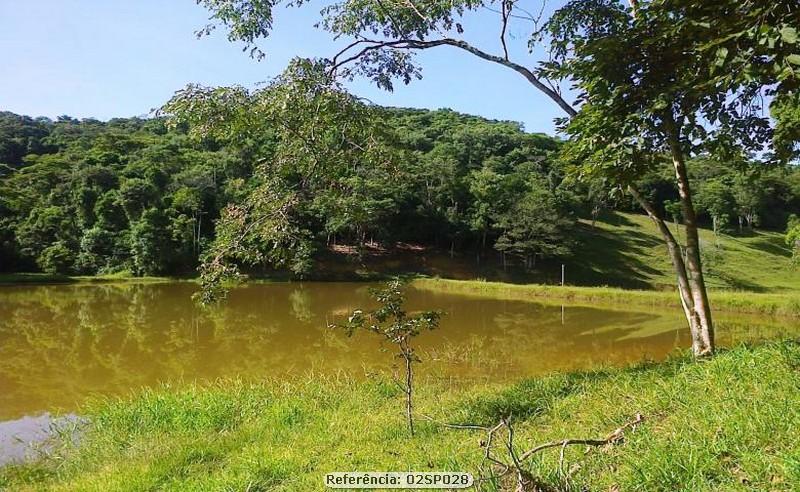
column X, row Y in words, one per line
column 530, row 398
column 773, row 245
column 732, row 282
column 609, row 259
column 616, row 219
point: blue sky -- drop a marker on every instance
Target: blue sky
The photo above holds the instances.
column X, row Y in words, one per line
column 102, row 59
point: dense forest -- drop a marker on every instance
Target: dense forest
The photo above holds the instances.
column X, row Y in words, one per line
column 140, row 196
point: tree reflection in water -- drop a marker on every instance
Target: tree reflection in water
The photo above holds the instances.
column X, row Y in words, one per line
column 63, row 343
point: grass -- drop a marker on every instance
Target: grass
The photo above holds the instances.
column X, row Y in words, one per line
column 626, row 250
column 47, row 278
column 622, row 250
column 777, row 304
column 729, row 423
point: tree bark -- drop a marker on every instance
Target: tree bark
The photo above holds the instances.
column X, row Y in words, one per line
column 694, row 266
column 685, row 290
column 409, row 389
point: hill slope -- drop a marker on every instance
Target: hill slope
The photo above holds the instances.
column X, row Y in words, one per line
column 627, row 250
column 621, row 250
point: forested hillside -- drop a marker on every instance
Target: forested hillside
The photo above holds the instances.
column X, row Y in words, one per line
column 132, row 195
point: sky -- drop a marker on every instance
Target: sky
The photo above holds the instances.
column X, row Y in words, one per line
column 122, row 58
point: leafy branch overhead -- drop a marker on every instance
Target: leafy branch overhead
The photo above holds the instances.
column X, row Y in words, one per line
column 318, row 137
column 686, row 52
column 382, row 36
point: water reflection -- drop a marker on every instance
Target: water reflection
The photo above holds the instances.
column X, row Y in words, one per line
column 60, row 344
column 30, row 437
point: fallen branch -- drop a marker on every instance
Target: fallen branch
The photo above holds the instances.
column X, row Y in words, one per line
column 612, row 438
column 525, row 481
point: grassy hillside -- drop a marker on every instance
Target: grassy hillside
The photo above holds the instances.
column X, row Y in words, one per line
column 729, row 423
column 627, row 250
column 621, row 250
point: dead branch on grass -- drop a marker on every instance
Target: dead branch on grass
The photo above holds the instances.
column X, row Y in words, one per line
column 499, row 467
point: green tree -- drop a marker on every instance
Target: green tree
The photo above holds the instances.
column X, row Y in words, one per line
column 392, row 322
column 536, row 225
column 786, row 111
column 136, row 195
column 109, row 211
column 714, row 197
column 45, row 225
column 793, row 236
column 649, row 96
column 56, row 258
column 150, row 243
column 96, row 250
column 747, row 196
column 486, row 187
column 19, row 137
column 189, row 201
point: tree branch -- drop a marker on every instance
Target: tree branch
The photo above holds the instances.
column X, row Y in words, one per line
column 388, row 13
column 505, row 14
column 412, row 44
column 613, row 437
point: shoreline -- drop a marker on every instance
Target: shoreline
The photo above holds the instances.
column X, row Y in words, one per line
column 699, row 427
column 772, row 304
column 55, row 279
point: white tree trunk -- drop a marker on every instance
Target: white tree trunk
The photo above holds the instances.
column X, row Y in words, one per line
column 702, row 343
column 694, row 266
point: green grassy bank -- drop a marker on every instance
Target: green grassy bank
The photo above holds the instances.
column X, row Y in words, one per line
column 729, row 423
column 47, row 278
column 778, row 304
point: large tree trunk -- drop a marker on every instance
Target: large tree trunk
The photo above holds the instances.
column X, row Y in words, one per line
column 694, row 265
column 700, row 346
column 691, row 284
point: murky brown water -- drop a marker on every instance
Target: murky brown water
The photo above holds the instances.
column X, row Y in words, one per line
column 60, row 344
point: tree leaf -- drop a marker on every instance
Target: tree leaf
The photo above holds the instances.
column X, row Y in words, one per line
column 722, row 54
column 789, row 35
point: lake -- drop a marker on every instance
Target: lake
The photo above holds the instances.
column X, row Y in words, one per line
column 60, row 344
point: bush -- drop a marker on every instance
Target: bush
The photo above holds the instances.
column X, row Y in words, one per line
column 57, row 258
